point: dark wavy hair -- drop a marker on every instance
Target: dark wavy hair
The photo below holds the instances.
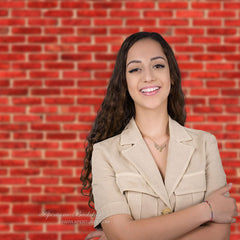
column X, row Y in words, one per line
column 118, row 107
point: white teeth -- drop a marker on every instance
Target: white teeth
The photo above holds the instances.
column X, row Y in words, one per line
column 149, row 89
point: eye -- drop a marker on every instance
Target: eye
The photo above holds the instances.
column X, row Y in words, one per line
column 158, row 66
column 134, row 70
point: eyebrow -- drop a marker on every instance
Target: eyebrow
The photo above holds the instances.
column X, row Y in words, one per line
column 154, row 58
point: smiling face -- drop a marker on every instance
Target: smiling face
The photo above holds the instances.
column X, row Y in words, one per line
column 147, row 75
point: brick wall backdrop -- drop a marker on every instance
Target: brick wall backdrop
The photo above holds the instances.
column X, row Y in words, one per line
column 55, row 60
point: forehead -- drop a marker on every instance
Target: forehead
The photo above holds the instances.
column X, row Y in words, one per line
column 145, row 49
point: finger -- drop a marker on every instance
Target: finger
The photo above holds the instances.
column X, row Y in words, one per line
column 93, row 234
column 225, row 189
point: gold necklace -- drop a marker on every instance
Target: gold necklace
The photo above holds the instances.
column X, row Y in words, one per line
column 157, row 146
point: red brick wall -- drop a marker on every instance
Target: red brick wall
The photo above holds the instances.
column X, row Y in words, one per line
column 55, row 60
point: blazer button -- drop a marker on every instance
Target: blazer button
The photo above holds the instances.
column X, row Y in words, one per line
column 166, row 211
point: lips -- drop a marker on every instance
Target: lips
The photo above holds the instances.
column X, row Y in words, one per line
column 150, row 90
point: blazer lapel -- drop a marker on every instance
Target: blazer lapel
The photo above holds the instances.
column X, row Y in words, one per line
column 137, row 152
column 179, row 155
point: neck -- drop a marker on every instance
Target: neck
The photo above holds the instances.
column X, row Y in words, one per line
column 153, row 124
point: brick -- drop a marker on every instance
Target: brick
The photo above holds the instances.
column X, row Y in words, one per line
column 26, row 101
column 206, row 5
column 44, row 74
column 42, row 57
column 224, row 14
column 12, row 22
column 231, row 5
column 42, row 22
column 58, row 154
column 223, row 48
column 189, row 31
column 220, row 66
column 59, row 30
column 76, row 109
column 43, row 109
column 59, row 101
column 126, row 14
column 42, row 39
column 92, row 31
column 108, row 22
column 58, row 13
column 95, row 48
column 58, row 48
column 61, row 136
column 26, row 30
column 157, row 14
column 221, row 31
column 59, row 209
column 76, row 127
column 231, row 74
column 223, row 100
column 234, row 109
column 28, row 227
column 26, row 13
column 216, row 118
column 207, row 57
column 25, row 48
column 47, row 91
column 12, row 162
column 27, row 135
column 106, row 5
column 205, row 75
column 76, row 22
column 140, row 22
column 173, row 5
column 232, row 145
column 13, row 236
column 12, row 39
column 189, row 14
column 189, row 48
column 204, row 92
column 14, row 198
column 15, row 4
column 215, row 109
column 232, row 40
column 12, row 109
column 40, row 5
column 206, row 40
column 75, row 57
column 44, row 145
column 91, row 13
column 27, row 154
column 26, row 190
column 222, row 83
column 42, row 180
column 46, row 199
column 76, row 39
column 206, row 22
column 45, row 127
column 59, row 83
column 67, row 4
column 231, row 92
column 76, row 74
column 60, row 190
column 12, row 180
column 26, row 66
column 77, row 91
column 173, row 22
column 62, row 65
column 40, row 236
column 232, row 23
column 92, row 66
column 12, row 145
column 43, row 163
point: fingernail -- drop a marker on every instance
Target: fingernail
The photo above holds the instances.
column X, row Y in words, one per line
column 230, row 184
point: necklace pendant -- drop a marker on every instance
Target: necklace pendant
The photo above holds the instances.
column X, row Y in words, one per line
column 160, row 148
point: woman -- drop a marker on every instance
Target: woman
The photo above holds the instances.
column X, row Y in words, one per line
column 152, row 178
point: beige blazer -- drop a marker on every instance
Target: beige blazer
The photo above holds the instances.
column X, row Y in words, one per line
column 126, row 179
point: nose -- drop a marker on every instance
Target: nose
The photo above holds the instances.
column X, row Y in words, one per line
column 148, row 75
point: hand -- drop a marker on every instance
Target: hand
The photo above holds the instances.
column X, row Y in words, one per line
column 224, row 208
column 96, row 234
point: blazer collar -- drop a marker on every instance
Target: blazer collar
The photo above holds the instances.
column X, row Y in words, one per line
column 179, row 155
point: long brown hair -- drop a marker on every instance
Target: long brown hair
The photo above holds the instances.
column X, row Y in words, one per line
column 118, row 107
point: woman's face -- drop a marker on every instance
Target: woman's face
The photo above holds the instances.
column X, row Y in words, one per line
column 147, row 75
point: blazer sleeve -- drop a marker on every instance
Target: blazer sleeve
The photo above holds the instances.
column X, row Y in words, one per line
column 108, row 200
column 215, row 175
